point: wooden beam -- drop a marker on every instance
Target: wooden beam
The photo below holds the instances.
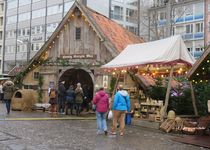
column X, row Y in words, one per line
column 168, row 93
column 193, row 99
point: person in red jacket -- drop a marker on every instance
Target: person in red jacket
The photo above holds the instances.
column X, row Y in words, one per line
column 101, row 101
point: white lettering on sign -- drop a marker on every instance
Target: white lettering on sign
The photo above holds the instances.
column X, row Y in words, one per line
column 79, row 56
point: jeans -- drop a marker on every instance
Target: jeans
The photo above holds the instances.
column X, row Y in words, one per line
column 69, row 106
column 61, row 105
column 101, row 121
column 78, row 108
column 8, row 103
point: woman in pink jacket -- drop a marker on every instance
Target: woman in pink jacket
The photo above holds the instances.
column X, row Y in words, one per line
column 101, row 101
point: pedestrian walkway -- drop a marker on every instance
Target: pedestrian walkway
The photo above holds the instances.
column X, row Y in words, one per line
column 39, row 115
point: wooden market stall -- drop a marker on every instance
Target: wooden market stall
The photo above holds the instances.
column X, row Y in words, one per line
column 83, row 41
column 200, row 73
column 165, row 57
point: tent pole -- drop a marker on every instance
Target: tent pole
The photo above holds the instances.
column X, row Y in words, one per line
column 193, row 99
column 168, row 93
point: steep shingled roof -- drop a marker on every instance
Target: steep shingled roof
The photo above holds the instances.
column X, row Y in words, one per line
column 115, row 33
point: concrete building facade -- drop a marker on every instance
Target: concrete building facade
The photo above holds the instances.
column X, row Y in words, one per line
column 207, row 22
column 187, row 19
column 125, row 13
column 30, row 23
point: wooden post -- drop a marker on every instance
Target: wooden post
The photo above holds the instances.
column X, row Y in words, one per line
column 168, row 93
column 193, row 99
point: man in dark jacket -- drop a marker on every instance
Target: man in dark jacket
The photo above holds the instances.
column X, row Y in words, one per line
column 61, row 97
column 8, row 89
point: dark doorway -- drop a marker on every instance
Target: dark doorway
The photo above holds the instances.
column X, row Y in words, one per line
column 74, row 76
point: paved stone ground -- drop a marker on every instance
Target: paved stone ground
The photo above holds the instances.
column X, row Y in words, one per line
column 80, row 135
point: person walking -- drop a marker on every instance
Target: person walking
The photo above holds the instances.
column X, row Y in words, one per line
column 61, row 97
column 1, row 92
column 101, row 101
column 8, row 89
column 78, row 98
column 121, row 106
column 70, row 99
column 53, row 101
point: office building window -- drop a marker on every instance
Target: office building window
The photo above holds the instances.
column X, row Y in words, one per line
column 22, row 48
column 51, row 27
column 12, row 19
column 162, row 15
column 9, row 49
column 189, row 49
column 36, row 46
column 0, row 49
column 173, row 30
column 2, row 7
column 24, row 16
column 34, row 1
column 132, row 29
column 68, row 5
column 132, row 3
column 178, row 12
column 199, row 27
column 11, row 4
column 1, row 35
column 1, row 21
column 120, row 1
column 198, row 49
column 24, row 32
column 199, row 8
column 37, row 29
column 78, row 33
column 188, row 10
column 11, row 34
column 131, row 15
column 189, row 28
column 38, row 13
column 54, row 9
column 24, row 2
column 36, row 75
column 117, row 12
column 28, row 31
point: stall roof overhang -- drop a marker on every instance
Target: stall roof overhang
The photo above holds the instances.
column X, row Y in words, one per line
column 166, row 51
column 197, row 67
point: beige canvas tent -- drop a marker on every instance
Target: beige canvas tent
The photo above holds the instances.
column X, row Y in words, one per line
column 169, row 52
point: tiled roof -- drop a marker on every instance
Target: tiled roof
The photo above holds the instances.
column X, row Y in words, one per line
column 115, row 33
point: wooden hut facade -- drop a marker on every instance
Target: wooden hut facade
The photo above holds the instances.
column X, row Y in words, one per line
column 82, row 42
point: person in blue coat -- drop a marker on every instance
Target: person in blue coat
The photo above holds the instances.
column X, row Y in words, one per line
column 121, row 106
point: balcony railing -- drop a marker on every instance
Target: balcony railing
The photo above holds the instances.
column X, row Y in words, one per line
column 191, row 36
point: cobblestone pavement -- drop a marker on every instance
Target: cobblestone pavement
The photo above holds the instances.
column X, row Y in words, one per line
column 80, row 135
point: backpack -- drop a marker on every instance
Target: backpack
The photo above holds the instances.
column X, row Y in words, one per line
column 52, row 94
